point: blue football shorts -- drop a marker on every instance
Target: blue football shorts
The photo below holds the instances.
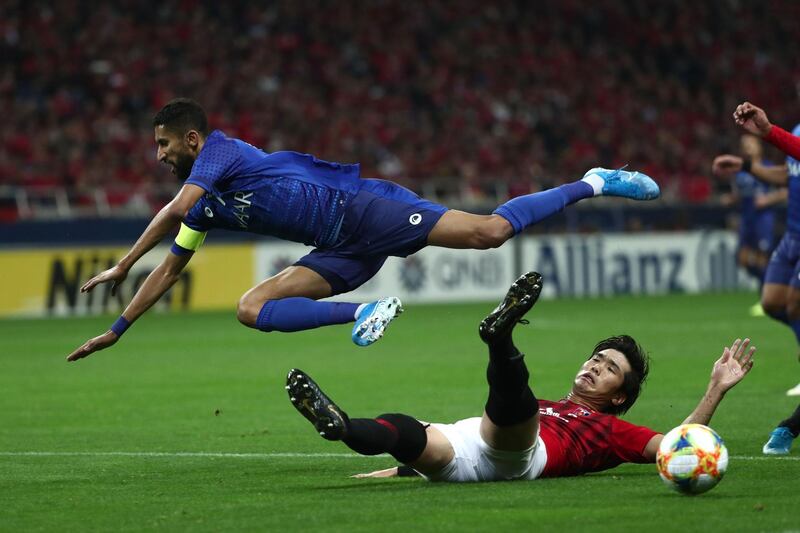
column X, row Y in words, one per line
column 384, row 219
column 784, row 265
column 758, row 234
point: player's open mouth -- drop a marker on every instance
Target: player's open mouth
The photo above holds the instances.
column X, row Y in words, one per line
column 587, row 377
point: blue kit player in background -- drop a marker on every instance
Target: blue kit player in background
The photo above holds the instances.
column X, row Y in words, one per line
column 756, row 201
column 354, row 224
column 780, row 296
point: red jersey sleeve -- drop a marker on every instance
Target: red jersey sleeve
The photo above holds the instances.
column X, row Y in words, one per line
column 784, row 141
column 628, row 441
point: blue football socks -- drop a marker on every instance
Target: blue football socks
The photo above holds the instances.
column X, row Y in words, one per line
column 298, row 314
column 525, row 211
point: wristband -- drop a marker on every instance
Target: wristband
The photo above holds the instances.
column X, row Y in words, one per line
column 747, row 165
column 120, row 326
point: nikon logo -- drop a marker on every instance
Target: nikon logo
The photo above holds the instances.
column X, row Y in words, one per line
column 68, row 274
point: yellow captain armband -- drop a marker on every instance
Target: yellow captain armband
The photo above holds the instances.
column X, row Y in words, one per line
column 188, row 240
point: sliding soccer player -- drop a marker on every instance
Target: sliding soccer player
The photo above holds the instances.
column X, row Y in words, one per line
column 518, row 435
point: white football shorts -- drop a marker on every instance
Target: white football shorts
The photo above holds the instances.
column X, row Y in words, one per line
column 475, row 460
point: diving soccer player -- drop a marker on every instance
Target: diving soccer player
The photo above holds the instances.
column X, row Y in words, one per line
column 354, row 224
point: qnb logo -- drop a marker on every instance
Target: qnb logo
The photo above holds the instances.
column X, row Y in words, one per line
column 415, row 219
column 279, row 264
column 412, row 274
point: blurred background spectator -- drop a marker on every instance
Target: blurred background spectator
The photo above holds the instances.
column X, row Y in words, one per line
column 455, row 99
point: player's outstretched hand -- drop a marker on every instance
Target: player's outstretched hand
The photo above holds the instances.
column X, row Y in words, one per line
column 734, row 364
column 752, row 119
column 115, row 274
column 94, row 345
column 725, row 165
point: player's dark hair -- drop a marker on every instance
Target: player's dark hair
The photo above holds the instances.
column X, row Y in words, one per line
column 633, row 380
column 181, row 115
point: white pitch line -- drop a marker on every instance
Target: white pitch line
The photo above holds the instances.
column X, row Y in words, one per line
column 224, row 455
column 279, row 455
column 766, row 457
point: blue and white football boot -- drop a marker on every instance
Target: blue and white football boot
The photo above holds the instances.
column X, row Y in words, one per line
column 620, row 182
column 779, row 443
column 373, row 319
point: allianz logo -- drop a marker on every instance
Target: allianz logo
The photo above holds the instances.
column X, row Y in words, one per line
column 608, row 265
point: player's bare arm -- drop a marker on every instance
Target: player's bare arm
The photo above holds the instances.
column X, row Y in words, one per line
column 732, row 366
column 772, row 198
column 157, row 283
column 165, row 221
column 774, row 175
column 728, row 164
column 386, row 472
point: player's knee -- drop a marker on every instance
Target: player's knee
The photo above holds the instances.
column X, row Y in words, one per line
column 492, row 234
column 774, row 309
column 410, row 433
column 247, row 310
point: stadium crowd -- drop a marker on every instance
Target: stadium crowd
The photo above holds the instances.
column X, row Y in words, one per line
column 465, row 95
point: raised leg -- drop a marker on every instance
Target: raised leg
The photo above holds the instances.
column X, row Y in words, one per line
column 456, row 229
column 511, row 417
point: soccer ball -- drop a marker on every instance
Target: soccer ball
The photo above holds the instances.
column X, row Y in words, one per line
column 692, row 459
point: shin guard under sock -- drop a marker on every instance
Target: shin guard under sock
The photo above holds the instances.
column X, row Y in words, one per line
column 524, row 211
column 511, row 400
column 298, row 314
column 401, row 436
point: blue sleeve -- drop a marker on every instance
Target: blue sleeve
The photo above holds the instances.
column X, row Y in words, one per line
column 195, row 219
column 216, row 162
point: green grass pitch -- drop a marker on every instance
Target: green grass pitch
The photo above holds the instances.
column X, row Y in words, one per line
column 114, row 442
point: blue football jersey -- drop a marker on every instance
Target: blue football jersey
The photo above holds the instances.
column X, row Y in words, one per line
column 749, row 188
column 793, row 211
column 289, row 195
